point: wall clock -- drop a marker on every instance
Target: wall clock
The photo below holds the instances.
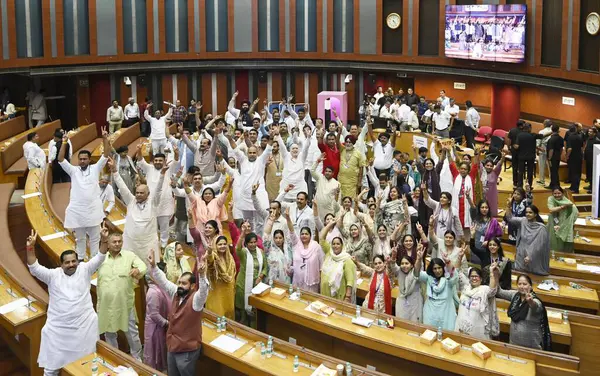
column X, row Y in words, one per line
column 393, row 21
column 592, row 23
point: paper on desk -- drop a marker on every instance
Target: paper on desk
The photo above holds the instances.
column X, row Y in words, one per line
column 363, row 321
column 227, row 343
column 29, row 195
column 595, row 221
column 260, row 288
column 94, row 282
column 544, row 217
column 7, row 308
column 125, row 371
column 548, row 286
column 580, row 221
column 324, row 371
column 53, row 236
column 119, row 222
column 589, row 268
column 359, row 281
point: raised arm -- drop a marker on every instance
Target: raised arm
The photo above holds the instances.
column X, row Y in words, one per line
column 159, row 277
column 40, row 272
column 126, row 194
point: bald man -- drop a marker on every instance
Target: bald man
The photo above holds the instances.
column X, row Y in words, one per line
column 140, row 234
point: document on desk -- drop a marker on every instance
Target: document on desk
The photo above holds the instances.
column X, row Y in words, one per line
column 580, row 221
column 29, row 195
column 7, row 308
column 595, row 221
column 53, row 236
column 324, row 371
column 227, row 343
column 589, row 268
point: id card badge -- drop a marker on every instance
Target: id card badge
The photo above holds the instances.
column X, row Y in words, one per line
column 482, row 239
column 346, row 166
column 556, row 221
column 278, row 174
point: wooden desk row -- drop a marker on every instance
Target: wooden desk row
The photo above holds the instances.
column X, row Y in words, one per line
column 560, row 268
column 398, row 348
column 22, row 326
column 215, row 360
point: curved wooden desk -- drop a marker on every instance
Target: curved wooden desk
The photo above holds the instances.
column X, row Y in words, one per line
column 110, row 355
column 399, row 348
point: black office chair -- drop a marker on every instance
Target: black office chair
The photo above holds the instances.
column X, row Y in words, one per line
column 495, row 148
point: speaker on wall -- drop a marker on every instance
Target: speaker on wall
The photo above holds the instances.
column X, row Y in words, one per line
column 141, row 80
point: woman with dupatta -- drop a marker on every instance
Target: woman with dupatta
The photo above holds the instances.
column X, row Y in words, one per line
column 158, row 306
column 477, row 314
column 533, row 242
column 253, row 269
column 279, row 250
column 409, row 303
column 409, row 244
column 485, row 227
column 221, row 275
column 338, row 275
column 379, row 297
column 176, row 262
column 529, row 320
column 355, row 242
column 439, row 309
column 394, row 210
column 561, row 220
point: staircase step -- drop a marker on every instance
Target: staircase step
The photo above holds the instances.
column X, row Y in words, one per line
column 578, row 197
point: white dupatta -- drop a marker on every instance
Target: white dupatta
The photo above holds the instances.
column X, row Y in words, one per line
column 249, row 277
column 456, row 199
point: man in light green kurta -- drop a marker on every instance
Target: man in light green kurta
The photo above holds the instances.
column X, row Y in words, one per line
column 117, row 279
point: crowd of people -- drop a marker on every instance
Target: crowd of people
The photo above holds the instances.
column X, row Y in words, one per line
column 303, row 205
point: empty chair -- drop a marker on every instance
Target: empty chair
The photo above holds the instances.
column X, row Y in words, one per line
column 483, row 134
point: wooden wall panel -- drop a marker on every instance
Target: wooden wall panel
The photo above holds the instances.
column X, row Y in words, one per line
column 119, row 22
column 298, row 78
column 161, row 27
column 478, row 91
column 83, row 102
column 93, row 25
column 356, row 29
column 206, row 99
column 379, row 41
column 552, row 32
column 282, row 26
column 12, row 29
column 190, row 21
column 351, row 89
column 167, row 89
column 141, row 93
column 182, row 88
column 292, row 26
column 222, row 98
column 276, row 86
column 428, row 24
column 60, row 32
column 313, row 85
column 150, row 26
column 124, row 92
column 548, row 102
column 46, row 28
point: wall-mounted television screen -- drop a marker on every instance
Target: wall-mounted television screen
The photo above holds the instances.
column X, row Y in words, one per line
column 486, row 32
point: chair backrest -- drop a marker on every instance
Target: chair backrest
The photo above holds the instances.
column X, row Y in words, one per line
column 14, row 151
column 500, row 133
column 12, row 127
column 484, row 131
column 496, row 142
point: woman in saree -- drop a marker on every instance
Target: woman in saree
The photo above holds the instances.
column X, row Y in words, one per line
column 279, row 250
column 338, row 275
column 176, row 262
column 529, row 320
column 379, row 297
column 504, row 265
column 439, row 310
column 488, row 173
column 533, row 242
column 561, row 221
column 477, row 314
column 447, row 250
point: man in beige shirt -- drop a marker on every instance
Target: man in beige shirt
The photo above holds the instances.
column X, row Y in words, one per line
column 114, row 117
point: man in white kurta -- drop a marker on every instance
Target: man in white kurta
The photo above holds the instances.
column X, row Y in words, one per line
column 34, row 155
column 71, row 329
column 252, row 171
column 293, row 166
column 140, row 233
column 327, row 189
column 158, row 131
column 85, row 211
column 166, row 203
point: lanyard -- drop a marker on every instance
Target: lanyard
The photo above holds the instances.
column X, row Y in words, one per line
column 299, row 215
